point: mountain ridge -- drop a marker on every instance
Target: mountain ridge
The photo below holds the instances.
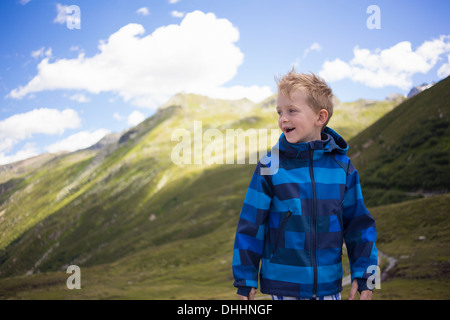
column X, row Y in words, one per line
column 406, row 151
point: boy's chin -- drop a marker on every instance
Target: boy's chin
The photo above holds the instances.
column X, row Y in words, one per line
column 292, row 139
column 295, row 139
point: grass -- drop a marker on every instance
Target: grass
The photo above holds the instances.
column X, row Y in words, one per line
column 417, row 234
column 199, row 267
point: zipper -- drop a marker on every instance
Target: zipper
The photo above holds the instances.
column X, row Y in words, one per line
column 281, row 230
column 341, row 223
column 314, row 221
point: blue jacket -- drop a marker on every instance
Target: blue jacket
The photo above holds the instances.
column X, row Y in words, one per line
column 294, row 222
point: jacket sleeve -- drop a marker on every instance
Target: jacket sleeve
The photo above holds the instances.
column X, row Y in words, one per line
column 249, row 239
column 359, row 230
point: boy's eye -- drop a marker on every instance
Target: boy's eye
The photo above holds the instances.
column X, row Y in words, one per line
column 292, row 110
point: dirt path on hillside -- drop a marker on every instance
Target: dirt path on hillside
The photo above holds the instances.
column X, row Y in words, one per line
column 392, row 262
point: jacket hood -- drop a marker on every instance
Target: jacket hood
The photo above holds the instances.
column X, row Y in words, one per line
column 330, row 141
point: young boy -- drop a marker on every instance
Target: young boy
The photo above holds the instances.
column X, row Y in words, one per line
column 294, row 221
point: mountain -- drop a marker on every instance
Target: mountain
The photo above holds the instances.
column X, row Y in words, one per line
column 350, row 118
column 406, row 153
column 417, row 89
column 137, row 224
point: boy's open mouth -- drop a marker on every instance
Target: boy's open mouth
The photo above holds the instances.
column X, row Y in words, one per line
column 287, row 130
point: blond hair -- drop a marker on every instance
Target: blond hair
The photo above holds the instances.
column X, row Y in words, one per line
column 318, row 95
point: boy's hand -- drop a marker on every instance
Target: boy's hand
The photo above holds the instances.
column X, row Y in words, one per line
column 251, row 295
column 365, row 294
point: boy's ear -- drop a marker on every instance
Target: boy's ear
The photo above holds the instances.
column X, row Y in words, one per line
column 322, row 117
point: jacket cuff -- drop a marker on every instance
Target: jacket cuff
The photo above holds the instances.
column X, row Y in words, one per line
column 362, row 285
column 244, row 291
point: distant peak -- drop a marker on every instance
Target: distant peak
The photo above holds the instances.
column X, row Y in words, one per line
column 417, row 89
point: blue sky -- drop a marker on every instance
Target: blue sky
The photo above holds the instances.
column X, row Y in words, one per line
column 68, row 79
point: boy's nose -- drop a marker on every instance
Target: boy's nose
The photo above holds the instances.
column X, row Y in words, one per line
column 283, row 118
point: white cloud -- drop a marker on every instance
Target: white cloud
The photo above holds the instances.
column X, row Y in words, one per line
column 173, row 1
column 47, row 121
column 80, row 140
column 24, row 2
column 61, row 16
column 177, row 14
column 81, row 98
column 28, row 151
column 65, row 14
column 147, row 69
column 117, row 116
column 48, row 52
column 393, row 66
column 41, row 53
column 444, row 70
column 314, row 47
column 38, row 121
column 135, row 118
column 38, row 53
column 143, row 11
column 253, row 93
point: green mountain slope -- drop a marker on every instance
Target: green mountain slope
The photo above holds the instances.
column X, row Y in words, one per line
column 408, row 150
column 198, row 267
column 125, row 211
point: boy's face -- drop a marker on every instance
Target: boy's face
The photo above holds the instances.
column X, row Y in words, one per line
column 296, row 119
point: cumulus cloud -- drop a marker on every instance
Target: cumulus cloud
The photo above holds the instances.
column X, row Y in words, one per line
column 22, row 126
column 444, row 70
column 47, row 121
column 135, row 118
column 28, row 151
column 198, row 55
column 393, row 66
column 80, row 140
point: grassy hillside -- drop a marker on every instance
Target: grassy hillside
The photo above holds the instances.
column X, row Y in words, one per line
column 350, row 118
column 407, row 151
column 193, row 266
column 138, row 225
column 417, row 234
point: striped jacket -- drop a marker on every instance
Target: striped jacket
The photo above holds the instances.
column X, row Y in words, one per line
column 293, row 223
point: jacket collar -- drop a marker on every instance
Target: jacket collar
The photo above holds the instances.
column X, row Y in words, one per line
column 330, row 141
